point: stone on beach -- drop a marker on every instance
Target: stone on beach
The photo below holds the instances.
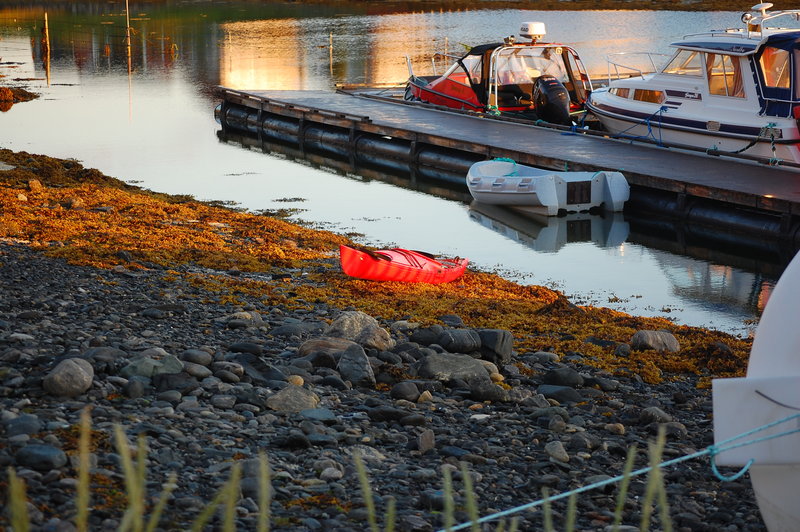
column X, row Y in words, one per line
column 70, row 378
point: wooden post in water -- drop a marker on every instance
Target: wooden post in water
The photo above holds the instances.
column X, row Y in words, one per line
column 46, row 45
column 128, row 34
column 330, row 52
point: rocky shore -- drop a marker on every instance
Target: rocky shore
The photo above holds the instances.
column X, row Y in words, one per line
column 312, row 368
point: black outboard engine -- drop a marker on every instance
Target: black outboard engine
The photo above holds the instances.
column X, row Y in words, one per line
column 551, row 100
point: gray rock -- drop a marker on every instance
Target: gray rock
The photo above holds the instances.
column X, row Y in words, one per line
column 197, row 356
column 293, row 399
column 354, row 366
column 24, row 424
column 321, row 415
column 657, row 340
column 246, row 347
column 543, row 357
column 562, row 394
column 70, row 378
column 446, row 366
column 360, row 328
column 426, row 335
column 196, row 370
column 459, row 340
column 555, row 449
column 653, row 414
column 405, row 390
column 497, row 345
column 486, row 390
column 182, row 382
column 41, row 457
column 426, row 441
column 563, row 377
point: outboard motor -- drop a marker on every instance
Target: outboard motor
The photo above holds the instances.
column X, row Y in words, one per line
column 551, row 100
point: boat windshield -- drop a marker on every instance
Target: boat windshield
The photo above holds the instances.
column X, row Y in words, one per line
column 520, row 65
column 472, row 63
column 685, row 63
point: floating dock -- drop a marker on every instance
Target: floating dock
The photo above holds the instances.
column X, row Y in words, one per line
column 743, row 197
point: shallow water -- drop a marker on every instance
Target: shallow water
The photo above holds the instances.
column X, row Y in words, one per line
column 155, row 126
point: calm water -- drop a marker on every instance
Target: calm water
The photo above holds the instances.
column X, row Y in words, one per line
column 155, row 126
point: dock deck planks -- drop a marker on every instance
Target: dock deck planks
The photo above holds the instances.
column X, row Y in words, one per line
column 773, row 189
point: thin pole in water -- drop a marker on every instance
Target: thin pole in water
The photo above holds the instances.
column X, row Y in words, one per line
column 128, row 33
column 46, row 43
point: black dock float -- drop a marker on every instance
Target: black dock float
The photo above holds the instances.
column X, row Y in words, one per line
column 743, row 197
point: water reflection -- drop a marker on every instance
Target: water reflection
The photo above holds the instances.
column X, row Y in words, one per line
column 549, row 234
column 154, row 124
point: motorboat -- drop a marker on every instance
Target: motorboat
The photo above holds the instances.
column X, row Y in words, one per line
column 505, row 182
column 397, row 264
column 728, row 92
column 527, row 79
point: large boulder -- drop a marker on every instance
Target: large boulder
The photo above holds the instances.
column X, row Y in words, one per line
column 657, row 340
column 447, row 366
column 362, row 329
column 70, row 378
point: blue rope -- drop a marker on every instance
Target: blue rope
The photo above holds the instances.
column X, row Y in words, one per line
column 647, row 121
column 711, row 450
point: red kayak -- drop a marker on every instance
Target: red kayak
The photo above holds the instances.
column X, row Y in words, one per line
column 399, row 265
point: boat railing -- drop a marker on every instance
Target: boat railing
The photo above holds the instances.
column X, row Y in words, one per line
column 631, row 67
column 719, row 33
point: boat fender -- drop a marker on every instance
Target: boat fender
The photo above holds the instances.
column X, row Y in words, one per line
column 551, row 100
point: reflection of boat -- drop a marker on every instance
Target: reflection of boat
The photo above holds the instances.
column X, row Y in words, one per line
column 504, row 182
column 536, row 80
column 399, row 265
column 550, row 233
column 727, row 91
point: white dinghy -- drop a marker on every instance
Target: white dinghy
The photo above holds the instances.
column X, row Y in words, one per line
column 505, row 182
column 769, row 394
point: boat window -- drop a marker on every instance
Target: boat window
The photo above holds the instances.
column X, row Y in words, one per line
column 724, row 75
column 685, row 63
column 522, row 65
column 622, row 92
column 459, row 75
column 646, row 95
column 775, row 66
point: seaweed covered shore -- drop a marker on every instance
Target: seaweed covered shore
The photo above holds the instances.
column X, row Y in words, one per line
column 220, row 334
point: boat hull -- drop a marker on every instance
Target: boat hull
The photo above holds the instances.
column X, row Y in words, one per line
column 401, row 265
column 676, row 135
column 503, row 182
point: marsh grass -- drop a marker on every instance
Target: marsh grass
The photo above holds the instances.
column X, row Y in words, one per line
column 225, row 500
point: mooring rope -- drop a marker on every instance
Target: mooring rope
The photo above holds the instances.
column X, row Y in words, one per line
column 712, row 451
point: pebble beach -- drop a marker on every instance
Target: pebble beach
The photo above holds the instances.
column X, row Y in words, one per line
column 172, row 347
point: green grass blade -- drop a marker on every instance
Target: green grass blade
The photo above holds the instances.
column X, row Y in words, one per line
column 469, row 495
column 366, row 493
column 231, row 498
column 449, row 501
column 264, row 492
column 82, row 498
column 20, row 521
column 391, row 515
column 162, row 502
column 133, row 514
column 548, row 510
column 572, row 510
column 623, row 489
column 654, row 479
